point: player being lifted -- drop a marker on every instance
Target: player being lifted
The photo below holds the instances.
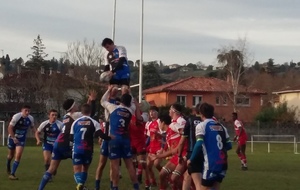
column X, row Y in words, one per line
column 241, row 138
column 50, row 129
column 213, row 138
column 117, row 65
column 62, row 148
column 17, row 131
column 82, row 132
column 120, row 116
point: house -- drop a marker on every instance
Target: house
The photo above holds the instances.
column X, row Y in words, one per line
column 185, row 69
column 41, row 90
column 193, row 90
column 174, row 66
column 291, row 96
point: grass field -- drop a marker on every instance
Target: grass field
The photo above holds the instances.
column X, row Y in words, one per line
column 279, row 169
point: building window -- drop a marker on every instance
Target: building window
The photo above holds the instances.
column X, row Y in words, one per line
column 181, row 99
column 217, row 100
column 243, row 101
column 197, row 100
column 224, row 100
column 221, row 100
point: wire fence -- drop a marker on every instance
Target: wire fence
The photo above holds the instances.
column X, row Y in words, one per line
column 267, row 128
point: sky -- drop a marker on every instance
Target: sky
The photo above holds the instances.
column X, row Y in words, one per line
column 175, row 31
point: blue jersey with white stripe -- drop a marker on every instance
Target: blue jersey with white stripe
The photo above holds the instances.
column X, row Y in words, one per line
column 50, row 130
column 119, row 117
column 123, row 73
column 20, row 125
column 119, row 121
column 215, row 137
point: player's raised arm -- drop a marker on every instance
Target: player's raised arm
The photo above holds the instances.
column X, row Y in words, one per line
column 92, row 101
column 105, row 103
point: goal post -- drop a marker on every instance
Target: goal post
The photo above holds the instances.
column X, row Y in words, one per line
column 2, row 132
column 292, row 140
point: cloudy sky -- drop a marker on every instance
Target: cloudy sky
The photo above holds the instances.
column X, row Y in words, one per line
column 175, row 31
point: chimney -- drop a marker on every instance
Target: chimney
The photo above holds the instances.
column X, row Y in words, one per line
column 42, row 70
column 19, row 69
column 71, row 72
column 51, row 71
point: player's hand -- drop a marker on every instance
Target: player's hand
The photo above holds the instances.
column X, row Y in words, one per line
column 160, row 151
column 100, row 141
column 16, row 141
column 152, row 157
column 38, row 142
column 112, row 137
column 188, row 162
column 115, row 60
column 180, row 159
column 93, row 95
column 235, row 138
column 110, row 73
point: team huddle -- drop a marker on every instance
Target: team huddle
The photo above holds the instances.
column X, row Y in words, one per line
column 187, row 152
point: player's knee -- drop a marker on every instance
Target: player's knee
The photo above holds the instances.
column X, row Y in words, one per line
column 143, row 163
column 175, row 176
column 164, row 172
column 157, row 164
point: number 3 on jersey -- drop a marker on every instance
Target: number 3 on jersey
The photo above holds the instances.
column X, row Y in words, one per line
column 122, row 122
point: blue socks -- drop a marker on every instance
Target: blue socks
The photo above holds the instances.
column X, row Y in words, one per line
column 114, row 188
column 77, row 177
column 80, row 177
column 83, row 177
column 136, row 186
column 45, row 180
column 14, row 168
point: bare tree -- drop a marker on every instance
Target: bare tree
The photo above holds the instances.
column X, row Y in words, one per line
column 85, row 53
column 235, row 60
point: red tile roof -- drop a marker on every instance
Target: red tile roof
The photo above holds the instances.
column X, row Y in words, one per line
column 288, row 89
column 200, row 84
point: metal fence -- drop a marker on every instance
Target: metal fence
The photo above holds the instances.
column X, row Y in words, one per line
column 260, row 128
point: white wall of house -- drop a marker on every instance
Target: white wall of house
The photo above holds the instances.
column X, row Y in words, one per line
column 292, row 99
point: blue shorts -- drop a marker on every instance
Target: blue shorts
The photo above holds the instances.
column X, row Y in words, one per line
column 119, row 148
column 47, row 147
column 104, row 148
column 82, row 159
column 61, row 153
column 211, row 177
column 12, row 145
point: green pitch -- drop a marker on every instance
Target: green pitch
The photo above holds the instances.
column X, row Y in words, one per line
column 267, row 171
